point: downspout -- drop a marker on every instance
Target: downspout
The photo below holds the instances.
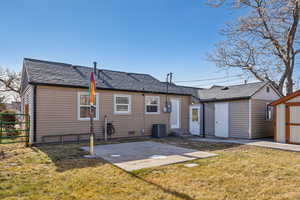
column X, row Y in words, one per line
column 167, row 84
column 34, row 113
column 166, row 103
column 250, row 119
column 144, row 114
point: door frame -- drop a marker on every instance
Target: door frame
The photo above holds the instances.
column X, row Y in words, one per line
column 288, row 123
column 198, row 106
column 178, row 113
column 227, row 119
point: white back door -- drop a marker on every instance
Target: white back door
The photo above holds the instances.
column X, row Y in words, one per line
column 175, row 113
column 195, row 120
column 221, row 119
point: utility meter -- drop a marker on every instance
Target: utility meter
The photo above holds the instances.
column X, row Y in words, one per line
column 168, row 107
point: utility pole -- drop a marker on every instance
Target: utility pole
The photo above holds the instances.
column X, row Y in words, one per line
column 167, row 82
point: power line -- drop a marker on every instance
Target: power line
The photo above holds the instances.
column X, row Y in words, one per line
column 218, row 78
column 209, row 79
column 236, row 79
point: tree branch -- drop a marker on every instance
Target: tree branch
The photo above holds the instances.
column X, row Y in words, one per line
column 281, row 52
column 296, row 52
column 262, row 41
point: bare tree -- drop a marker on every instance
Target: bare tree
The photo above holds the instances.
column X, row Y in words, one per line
column 10, row 83
column 264, row 42
column 2, row 100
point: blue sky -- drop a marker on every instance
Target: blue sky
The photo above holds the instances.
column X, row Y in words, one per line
column 146, row 36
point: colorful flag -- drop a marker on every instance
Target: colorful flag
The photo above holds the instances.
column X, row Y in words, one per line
column 92, row 89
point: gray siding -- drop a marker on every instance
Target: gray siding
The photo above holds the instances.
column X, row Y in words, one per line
column 209, row 118
column 57, row 114
column 239, row 119
column 24, row 80
column 260, row 126
column 27, row 98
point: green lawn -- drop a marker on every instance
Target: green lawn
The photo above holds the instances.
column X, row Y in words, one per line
column 59, row 172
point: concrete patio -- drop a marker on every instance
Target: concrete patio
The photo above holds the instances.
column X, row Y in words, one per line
column 138, row 155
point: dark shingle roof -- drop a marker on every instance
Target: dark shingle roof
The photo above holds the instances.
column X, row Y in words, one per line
column 230, row 92
column 54, row 73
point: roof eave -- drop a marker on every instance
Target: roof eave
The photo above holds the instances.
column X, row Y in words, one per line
column 99, row 88
column 286, row 98
column 224, row 99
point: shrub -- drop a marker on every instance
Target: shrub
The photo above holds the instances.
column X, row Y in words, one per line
column 9, row 118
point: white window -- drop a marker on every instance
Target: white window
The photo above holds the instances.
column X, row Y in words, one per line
column 122, row 104
column 269, row 113
column 83, row 107
column 152, row 105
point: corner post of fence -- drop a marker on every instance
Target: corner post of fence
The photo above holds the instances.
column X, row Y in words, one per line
column 27, row 130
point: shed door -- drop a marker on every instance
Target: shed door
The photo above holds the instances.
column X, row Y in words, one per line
column 221, row 119
column 293, row 123
column 195, row 120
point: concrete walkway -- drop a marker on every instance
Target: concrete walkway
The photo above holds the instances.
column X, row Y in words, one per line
column 138, row 155
column 260, row 143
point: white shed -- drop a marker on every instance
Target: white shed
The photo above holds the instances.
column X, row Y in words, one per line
column 287, row 119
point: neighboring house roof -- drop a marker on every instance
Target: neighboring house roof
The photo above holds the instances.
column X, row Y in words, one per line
column 13, row 106
column 218, row 93
column 2, row 107
column 62, row 74
column 286, row 98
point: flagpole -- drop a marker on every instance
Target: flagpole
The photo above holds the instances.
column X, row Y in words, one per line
column 92, row 134
column 92, row 102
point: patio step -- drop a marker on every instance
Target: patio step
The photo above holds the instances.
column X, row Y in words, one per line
column 179, row 132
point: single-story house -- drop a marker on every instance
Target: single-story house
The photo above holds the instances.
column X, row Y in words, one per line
column 56, row 97
column 287, row 118
column 57, row 93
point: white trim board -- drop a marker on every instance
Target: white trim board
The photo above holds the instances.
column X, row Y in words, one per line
column 250, row 119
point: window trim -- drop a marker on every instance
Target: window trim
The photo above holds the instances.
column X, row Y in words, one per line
column 115, row 104
column 158, row 106
column 78, row 107
column 267, row 113
column 198, row 114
